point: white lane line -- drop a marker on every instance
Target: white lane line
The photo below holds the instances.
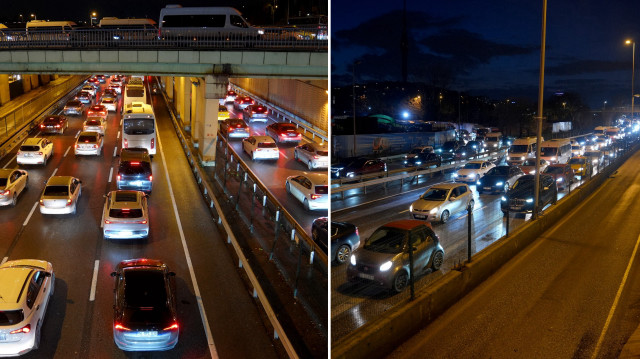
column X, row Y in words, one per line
column 54, row 172
column 4, row 260
column 94, row 281
column 118, row 135
column 6, row 164
column 102, row 220
column 110, row 174
column 196, row 289
column 67, row 151
column 120, row 122
column 115, row 149
column 78, row 134
column 30, row 214
column 616, row 300
column 283, row 154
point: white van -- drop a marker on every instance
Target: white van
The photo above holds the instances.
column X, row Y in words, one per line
column 214, row 23
column 54, row 31
column 556, row 151
column 521, row 149
column 493, row 140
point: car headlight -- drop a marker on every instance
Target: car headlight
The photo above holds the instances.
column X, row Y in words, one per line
column 508, row 158
column 553, row 158
column 529, row 200
column 386, row 266
column 464, row 154
column 261, row 32
column 503, row 198
column 581, row 169
column 499, row 183
column 532, row 172
column 405, row 162
column 559, row 179
column 433, row 211
column 522, row 158
column 479, row 183
column 351, row 174
column 353, row 259
column 411, row 208
column 418, row 162
column 455, row 175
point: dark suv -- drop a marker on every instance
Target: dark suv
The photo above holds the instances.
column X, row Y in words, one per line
column 520, row 197
column 134, row 171
column 358, row 167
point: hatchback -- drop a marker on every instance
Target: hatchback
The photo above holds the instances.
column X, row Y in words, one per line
column 60, row 195
column 27, row 286
column 145, row 317
column 97, row 110
column 310, row 189
column 384, row 258
column 234, row 128
column 35, row 150
column 54, row 124
column 441, row 201
column 84, row 97
column 89, row 143
column 283, row 132
column 95, row 124
column 261, row 147
column 134, row 170
column 253, row 113
column 12, row 183
column 74, row 107
column 125, row 215
column 313, row 154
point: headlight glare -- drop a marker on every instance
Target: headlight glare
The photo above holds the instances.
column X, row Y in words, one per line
column 386, row 266
column 353, row 259
column 499, row 183
column 529, row 200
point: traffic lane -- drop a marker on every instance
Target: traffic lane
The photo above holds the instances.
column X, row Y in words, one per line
column 214, row 266
column 561, row 310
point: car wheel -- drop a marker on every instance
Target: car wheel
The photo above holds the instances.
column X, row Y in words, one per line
column 14, row 200
column 471, row 204
column 36, row 341
column 438, row 259
column 75, row 209
column 401, row 281
column 306, row 204
column 295, row 155
column 444, row 217
column 26, row 183
column 343, row 253
column 310, row 165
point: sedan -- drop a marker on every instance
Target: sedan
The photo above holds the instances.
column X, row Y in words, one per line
column 89, row 143
column 111, row 92
column 90, row 89
column 313, row 154
column 311, row 189
column 12, row 184
column 529, row 166
column 145, row 317
column 422, row 159
column 109, row 103
column 473, row 171
column 84, row 97
column 125, row 215
column 383, row 260
column 54, row 124
column 254, row 113
column 97, row 110
column 498, row 179
column 95, row 124
column 115, row 88
column 358, row 167
column 73, row 107
column 60, row 195
column 261, row 147
column 234, row 128
column 240, row 103
column 230, row 97
column 441, row 201
column 562, row 173
column 283, row 132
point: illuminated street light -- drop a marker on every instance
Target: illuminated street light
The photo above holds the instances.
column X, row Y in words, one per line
column 633, row 73
column 405, row 114
column 92, row 18
column 34, row 16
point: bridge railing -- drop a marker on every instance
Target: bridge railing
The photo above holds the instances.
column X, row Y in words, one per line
column 266, row 38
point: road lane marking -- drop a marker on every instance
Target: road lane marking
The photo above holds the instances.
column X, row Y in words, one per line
column 78, row 134
column 285, row 156
column 54, row 172
column 94, row 281
column 118, row 135
column 110, row 174
column 115, row 149
column 616, row 300
column 196, row 289
column 13, row 158
column 67, row 151
column 4, row 260
column 120, row 122
column 30, row 214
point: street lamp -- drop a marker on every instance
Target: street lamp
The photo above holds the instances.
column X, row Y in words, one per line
column 34, row 16
column 353, row 88
column 633, row 72
column 92, row 17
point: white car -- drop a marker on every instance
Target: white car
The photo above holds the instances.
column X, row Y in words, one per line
column 441, row 201
column 125, row 215
column 473, row 171
column 89, row 143
column 35, row 150
column 12, row 184
column 110, row 103
column 90, row 89
column 313, row 154
column 261, row 147
column 95, row 124
column 27, row 286
column 60, row 195
column 311, row 189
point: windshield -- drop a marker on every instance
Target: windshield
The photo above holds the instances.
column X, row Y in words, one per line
column 577, row 161
column 386, row 240
column 554, row 169
column 518, row 149
column 138, row 126
column 548, row 151
column 435, row 194
column 472, row 166
column 498, row 171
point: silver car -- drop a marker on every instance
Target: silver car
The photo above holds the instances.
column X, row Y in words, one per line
column 12, row 184
column 60, row 195
column 313, row 154
column 441, row 201
column 89, row 143
column 125, row 215
column 95, row 124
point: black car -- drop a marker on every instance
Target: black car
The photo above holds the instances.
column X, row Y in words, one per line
column 422, row 159
column 498, row 179
column 520, row 197
column 134, row 170
column 54, row 124
column 448, row 149
column 358, row 167
column 145, row 316
column 344, row 238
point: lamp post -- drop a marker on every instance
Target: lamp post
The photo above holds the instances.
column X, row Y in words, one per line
column 353, row 89
column 543, row 42
column 633, row 72
column 34, row 16
column 92, row 17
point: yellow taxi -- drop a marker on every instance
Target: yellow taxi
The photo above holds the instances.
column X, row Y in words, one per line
column 581, row 166
column 223, row 113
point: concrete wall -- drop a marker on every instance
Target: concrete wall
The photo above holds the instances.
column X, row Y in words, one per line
column 378, row 338
column 310, row 97
column 4, row 89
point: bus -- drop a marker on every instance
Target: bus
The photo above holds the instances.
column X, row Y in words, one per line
column 556, row 151
column 192, row 23
column 139, row 127
column 129, row 29
column 134, row 91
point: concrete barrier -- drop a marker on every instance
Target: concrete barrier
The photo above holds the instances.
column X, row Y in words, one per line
column 380, row 337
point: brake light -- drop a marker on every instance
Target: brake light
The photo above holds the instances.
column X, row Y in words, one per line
column 315, row 157
column 315, row 196
column 118, row 177
column 41, row 202
column 150, row 178
column 106, row 221
column 39, row 153
column 173, row 326
column 95, row 146
column 153, row 143
column 126, row 143
column 283, row 135
column 142, row 222
column 57, row 126
column 5, row 192
column 41, row 125
column 69, row 202
column 135, row 163
column 75, row 146
column 119, row 326
column 25, row 329
column 357, row 233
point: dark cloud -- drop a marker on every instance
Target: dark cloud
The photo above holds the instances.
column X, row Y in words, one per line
column 580, row 67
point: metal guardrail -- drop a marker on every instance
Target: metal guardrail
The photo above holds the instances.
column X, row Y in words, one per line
column 286, row 115
column 207, row 193
column 272, row 38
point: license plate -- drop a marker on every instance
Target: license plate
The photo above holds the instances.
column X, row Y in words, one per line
column 365, row 276
column 126, row 233
column 136, row 183
column 515, row 208
column 487, row 188
column 152, row 333
column 419, row 216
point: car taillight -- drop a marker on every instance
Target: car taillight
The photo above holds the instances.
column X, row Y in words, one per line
column 315, row 157
column 173, row 326
column 153, row 143
column 106, row 221
column 283, row 135
column 39, row 153
column 5, row 192
column 118, row 178
column 357, row 233
column 41, row 125
column 41, row 202
column 119, row 326
column 57, row 126
column 75, row 146
column 69, row 202
column 231, row 129
column 150, row 178
column 126, row 143
column 315, row 196
column 25, row 329
column 95, row 146
column 141, row 222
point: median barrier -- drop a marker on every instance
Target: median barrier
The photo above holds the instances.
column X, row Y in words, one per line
column 378, row 338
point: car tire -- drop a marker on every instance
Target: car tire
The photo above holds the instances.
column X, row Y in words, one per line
column 444, row 217
column 306, row 204
column 310, row 165
column 342, row 254
column 295, row 155
column 45, row 160
column 400, row 281
column 437, row 260
column 14, row 200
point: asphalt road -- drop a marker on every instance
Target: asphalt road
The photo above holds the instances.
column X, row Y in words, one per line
column 75, row 326
column 573, row 293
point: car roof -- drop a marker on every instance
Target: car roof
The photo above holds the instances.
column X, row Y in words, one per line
column 448, row 185
column 32, row 141
column 407, row 224
column 318, row 179
column 264, row 139
column 126, row 199
column 59, row 180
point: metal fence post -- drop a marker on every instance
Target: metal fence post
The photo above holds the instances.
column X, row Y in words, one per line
column 253, row 194
column 276, row 230
column 239, row 191
column 506, row 216
column 295, row 286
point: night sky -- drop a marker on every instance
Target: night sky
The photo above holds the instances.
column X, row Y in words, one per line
column 491, row 47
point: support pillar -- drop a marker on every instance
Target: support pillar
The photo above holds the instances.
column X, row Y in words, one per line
column 215, row 89
column 197, row 109
column 180, row 98
column 26, row 83
column 196, row 84
column 5, row 95
column 168, row 86
column 35, row 81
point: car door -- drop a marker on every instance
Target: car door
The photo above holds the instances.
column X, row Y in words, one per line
column 18, row 181
column 296, row 188
column 303, row 153
column 417, row 238
column 463, row 198
column 48, row 148
column 37, row 293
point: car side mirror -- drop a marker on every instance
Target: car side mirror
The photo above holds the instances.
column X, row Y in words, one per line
column 114, row 274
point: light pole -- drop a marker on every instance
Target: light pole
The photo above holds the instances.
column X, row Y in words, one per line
column 353, row 89
column 543, row 42
column 92, row 17
column 34, row 16
column 633, row 72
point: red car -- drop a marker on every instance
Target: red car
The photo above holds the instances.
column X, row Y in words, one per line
column 240, row 103
column 55, row 124
column 283, row 132
column 562, row 173
column 97, row 110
